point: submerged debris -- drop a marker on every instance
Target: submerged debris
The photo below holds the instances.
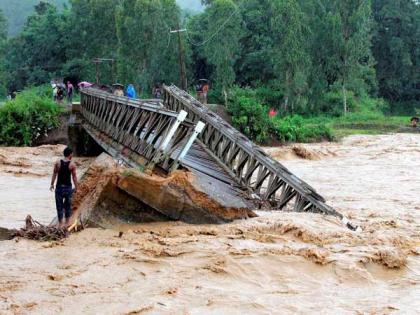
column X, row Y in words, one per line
column 34, row 230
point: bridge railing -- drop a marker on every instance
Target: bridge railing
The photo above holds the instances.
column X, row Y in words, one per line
column 248, row 164
column 145, row 128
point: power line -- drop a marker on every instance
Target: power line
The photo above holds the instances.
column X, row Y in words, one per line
column 166, row 26
column 214, row 34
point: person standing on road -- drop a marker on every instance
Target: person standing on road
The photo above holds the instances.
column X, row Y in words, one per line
column 64, row 170
column 205, row 90
column 70, row 90
column 55, row 90
column 131, row 92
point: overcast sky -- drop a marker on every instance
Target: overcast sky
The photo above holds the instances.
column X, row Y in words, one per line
column 190, row 4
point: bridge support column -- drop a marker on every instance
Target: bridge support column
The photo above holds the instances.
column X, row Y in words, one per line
column 80, row 141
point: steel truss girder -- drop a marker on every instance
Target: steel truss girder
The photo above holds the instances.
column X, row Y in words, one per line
column 251, row 167
column 136, row 125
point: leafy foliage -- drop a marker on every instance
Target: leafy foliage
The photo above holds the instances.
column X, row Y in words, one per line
column 249, row 115
column 301, row 57
column 36, row 55
column 24, row 119
column 295, row 128
column 145, row 52
column 18, row 11
column 3, row 37
column 396, row 50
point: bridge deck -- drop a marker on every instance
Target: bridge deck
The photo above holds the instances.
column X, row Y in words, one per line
column 214, row 179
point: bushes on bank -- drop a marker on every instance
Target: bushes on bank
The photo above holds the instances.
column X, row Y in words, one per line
column 250, row 116
column 27, row 117
column 296, row 129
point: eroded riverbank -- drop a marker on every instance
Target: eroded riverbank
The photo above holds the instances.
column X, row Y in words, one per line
column 277, row 263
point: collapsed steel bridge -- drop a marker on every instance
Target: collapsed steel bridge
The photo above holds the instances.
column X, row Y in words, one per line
column 181, row 132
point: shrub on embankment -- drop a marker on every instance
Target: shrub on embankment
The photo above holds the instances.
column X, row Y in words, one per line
column 366, row 115
column 27, row 117
column 251, row 116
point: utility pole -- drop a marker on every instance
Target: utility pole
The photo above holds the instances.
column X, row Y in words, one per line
column 182, row 71
column 98, row 62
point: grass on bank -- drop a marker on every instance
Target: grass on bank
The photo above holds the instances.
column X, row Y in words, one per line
column 360, row 123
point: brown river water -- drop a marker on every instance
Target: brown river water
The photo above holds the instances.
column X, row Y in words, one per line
column 278, row 263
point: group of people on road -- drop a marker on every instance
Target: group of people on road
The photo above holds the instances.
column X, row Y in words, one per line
column 118, row 90
column 130, row 91
column 61, row 90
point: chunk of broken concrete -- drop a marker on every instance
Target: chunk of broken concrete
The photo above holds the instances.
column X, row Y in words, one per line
column 109, row 194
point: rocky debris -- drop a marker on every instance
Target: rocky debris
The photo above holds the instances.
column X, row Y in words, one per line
column 34, row 230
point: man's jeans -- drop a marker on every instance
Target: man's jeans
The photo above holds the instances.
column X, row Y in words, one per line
column 63, row 201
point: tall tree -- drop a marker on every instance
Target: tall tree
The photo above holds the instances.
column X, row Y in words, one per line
column 93, row 34
column 290, row 51
column 38, row 53
column 255, row 64
column 146, row 52
column 17, row 11
column 397, row 50
column 3, row 40
column 221, row 45
column 351, row 27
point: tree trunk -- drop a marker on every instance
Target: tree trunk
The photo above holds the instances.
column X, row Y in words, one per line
column 344, row 99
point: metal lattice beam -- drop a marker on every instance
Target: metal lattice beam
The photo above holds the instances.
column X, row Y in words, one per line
column 251, row 167
column 144, row 128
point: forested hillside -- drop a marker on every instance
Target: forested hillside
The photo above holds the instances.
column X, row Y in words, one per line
column 17, row 11
column 307, row 57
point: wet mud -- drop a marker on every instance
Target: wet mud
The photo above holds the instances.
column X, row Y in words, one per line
column 277, row 263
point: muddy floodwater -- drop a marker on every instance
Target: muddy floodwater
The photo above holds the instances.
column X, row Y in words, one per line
column 278, row 263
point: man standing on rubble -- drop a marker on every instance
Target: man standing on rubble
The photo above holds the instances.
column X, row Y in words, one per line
column 64, row 170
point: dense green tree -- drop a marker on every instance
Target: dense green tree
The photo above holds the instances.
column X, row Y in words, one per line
column 340, row 50
column 93, row 34
column 17, row 11
column 255, row 64
column 3, row 39
column 351, row 25
column 37, row 54
column 146, row 54
column 309, row 56
column 217, row 36
column 290, row 52
column 396, row 49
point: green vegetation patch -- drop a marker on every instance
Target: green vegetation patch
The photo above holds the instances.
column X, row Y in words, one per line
column 30, row 115
column 251, row 117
